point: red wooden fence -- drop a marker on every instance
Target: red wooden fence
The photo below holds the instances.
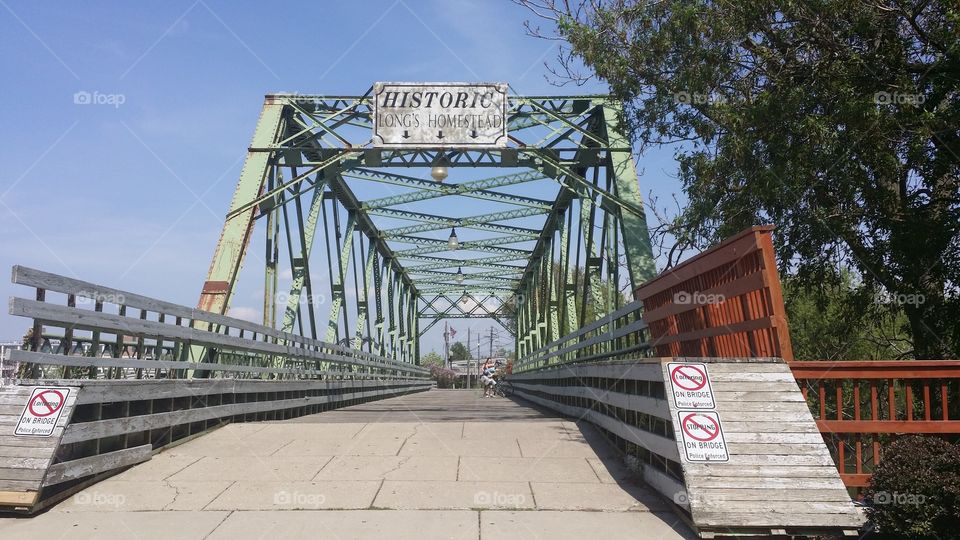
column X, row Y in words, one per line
column 860, row 405
column 724, row 302
column 727, row 302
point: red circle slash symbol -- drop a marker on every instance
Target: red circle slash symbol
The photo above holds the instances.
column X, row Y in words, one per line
column 39, row 403
column 680, row 377
column 705, row 424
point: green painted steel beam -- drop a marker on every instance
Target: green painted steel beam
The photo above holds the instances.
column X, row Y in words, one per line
column 439, row 246
column 636, row 236
column 338, row 291
column 300, row 268
column 462, row 246
column 235, row 236
column 476, row 275
column 439, row 263
column 432, row 185
column 485, row 222
column 477, row 189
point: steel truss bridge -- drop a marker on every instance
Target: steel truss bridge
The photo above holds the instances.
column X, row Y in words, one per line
column 560, row 231
column 547, row 236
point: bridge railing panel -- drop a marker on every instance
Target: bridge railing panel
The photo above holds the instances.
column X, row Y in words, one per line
column 860, row 406
column 614, row 336
column 724, row 302
column 148, row 338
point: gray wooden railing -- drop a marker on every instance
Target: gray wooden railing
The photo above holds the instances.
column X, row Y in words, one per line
column 150, row 338
column 614, row 335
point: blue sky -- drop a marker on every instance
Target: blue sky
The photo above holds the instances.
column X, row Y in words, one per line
column 132, row 192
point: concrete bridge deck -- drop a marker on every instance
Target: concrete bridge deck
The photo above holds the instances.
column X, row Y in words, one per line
column 439, row 464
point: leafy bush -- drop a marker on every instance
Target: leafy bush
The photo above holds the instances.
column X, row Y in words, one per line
column 444, row 377
column 916, row 490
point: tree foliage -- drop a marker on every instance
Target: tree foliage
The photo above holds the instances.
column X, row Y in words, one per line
column 836, row 120
column 458, row 351
column 833, row 321
column 432, row 358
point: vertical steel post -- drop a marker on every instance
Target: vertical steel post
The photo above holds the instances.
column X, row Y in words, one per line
column 636, row 236
column 235, row 236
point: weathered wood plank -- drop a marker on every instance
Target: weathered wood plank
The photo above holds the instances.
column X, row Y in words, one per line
column 707, row 470
column 7, row 473
column 773, row 507
column 79, row 468
column 764, row 416
column 794, row 426
column 23, row 462
column 747, row 367
column 787, row 438
column 759, row 483
column 743, row 519
column 19, row 485
column 719, row 495
column 763, row 398
column 785, row 458
column 782, row 449
column 8, row 439
column 746, row 377
column 18, row 498
column 119, row 426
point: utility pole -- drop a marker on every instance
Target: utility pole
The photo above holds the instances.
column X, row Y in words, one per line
column 446, row 345
column 468, row 359
column 491, row 342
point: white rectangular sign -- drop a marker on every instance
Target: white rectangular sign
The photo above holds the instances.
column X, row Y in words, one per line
column 690, row 384
column 42, row 412
column 702, row 436
column 450, row 115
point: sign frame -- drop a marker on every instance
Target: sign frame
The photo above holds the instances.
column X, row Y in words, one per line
column 687, row 438
column 378, row 139
column 29, row 411
column 691, row 402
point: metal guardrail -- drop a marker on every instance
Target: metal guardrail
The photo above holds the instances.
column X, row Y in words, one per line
column 150, row 338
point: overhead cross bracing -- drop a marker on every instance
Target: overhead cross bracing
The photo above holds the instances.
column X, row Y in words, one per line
column 379, row 244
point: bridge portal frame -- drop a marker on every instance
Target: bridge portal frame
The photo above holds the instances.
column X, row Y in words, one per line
column 320, row 145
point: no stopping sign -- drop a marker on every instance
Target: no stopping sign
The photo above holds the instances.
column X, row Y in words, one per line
column 702, row 436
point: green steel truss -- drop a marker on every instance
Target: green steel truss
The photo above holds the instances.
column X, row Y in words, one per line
column 356, row 237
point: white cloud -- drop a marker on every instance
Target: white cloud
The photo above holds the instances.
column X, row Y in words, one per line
column 246, row 313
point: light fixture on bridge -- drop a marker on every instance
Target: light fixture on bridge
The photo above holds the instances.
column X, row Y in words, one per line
column 459, row 275
column 453, row 241
column 439, row 171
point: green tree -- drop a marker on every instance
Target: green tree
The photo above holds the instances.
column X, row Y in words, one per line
column 836, row 120
column 831, row 322
column 458, row 351
column 432, row 358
